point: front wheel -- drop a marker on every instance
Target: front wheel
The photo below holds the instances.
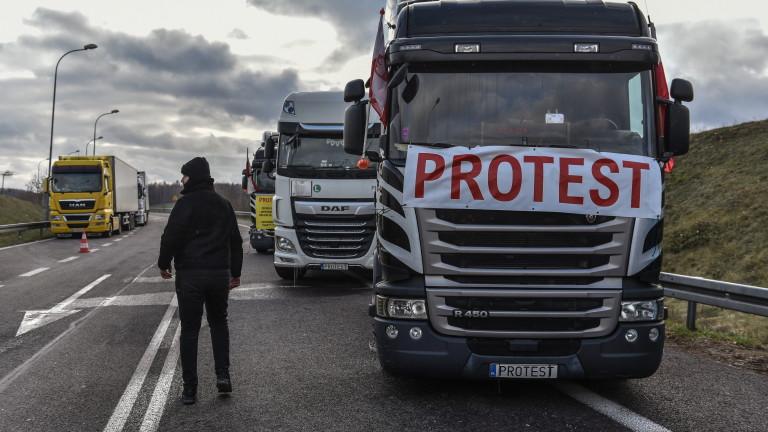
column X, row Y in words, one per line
column 290, row 273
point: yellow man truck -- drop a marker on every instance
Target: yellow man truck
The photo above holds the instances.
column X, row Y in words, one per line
column 92, row 194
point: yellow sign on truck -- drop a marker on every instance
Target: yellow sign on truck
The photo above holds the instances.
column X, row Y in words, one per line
column 263, row 216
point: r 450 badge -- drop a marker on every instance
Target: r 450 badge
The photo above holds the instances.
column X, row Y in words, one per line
column 470, row 314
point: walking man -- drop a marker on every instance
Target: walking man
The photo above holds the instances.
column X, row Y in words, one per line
column 203, row 240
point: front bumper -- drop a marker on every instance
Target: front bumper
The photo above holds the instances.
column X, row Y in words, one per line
column 91, row 226
column 439, row 356
column 300, row 260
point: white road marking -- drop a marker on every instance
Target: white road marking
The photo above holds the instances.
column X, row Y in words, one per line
column 19, row 370
column 152, row 279
column 25, row 244
column 65, row 260
column 131, row 393
column 245, row 226
column 34, row 272
column 153, row 299
column 2, row 286
column 39, row 318
column 610, row 409
column 154, row 413
column 106, row 245
column 118, row 240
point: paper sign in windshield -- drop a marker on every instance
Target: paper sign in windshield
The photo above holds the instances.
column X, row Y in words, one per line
column 533, row 179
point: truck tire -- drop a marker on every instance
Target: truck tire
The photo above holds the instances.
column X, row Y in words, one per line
column 288, row 273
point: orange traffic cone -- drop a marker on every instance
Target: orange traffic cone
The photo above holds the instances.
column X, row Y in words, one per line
column 84, row 244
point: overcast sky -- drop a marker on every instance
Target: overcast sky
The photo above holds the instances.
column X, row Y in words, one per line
column 207, row 77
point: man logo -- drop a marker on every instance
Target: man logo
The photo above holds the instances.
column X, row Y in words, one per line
column 329, row 208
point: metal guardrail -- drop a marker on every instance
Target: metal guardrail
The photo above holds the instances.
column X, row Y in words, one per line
column 168, row 210
column 19, row 227
column 742, row 298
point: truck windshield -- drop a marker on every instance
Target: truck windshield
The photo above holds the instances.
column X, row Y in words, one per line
column 316, row 152
column 597, row 107
column 72, row 181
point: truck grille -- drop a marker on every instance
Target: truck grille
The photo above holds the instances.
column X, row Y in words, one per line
column 77, row 218
column 545, row 314
column 84, row 204
column 338, row 236
column 523, row 244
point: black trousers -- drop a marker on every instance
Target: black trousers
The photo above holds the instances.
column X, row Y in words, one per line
column 195, row 289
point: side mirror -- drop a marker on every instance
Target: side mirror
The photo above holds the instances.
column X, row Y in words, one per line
column 269, row 149
column 373, row 156
column 681, row 90
column 46, row 185
column 354, row 128
column 678, row 129
column 354, row 91
column 267, row 167
column 244, row 183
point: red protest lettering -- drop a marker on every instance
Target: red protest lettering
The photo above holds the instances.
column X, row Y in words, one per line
column 538, row 174
column 493, row 180
column 613, row 188
column 566, row 179
column 637, row 175
column 457, row 176
column 422, row 176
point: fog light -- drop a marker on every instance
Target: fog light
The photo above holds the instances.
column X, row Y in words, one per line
column 415, row 333
column 391, row 331
column 653, row 334
column 631, row 335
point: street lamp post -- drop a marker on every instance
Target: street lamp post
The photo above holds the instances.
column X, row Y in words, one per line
column 114, row 111
column 5, row 174
column 53, row 110
column 89, row 143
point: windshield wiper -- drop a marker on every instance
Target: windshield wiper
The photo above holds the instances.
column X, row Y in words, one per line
column 435, row 145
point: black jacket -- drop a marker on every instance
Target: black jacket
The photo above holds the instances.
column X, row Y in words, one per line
column 202, row 233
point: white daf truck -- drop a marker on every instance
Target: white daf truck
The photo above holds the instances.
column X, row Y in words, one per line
column 323, row 208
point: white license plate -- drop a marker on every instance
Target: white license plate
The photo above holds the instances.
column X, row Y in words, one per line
column 523, row 371
column 334, row 266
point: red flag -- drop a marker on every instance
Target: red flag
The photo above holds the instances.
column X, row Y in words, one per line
column 379, row 75
column 669, row 165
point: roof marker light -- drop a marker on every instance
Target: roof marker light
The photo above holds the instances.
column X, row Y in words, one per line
column 586, row 48
column 412, row 47
column 467, row 48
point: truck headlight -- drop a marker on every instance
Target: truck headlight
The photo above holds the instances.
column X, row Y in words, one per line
column 98, row 217
column 643, row 310
column 284, row 244
column 410, row 309
column 56, row 218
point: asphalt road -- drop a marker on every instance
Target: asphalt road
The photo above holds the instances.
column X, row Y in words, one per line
column 87, row 344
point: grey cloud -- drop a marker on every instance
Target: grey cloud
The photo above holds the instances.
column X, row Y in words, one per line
column 170, row 86
column 354, row 20
column 727, row 61
column 238, row 34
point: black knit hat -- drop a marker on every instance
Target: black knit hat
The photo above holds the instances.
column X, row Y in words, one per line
column 197, row 170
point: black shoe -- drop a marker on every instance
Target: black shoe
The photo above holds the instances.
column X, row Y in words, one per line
column 223, row 383
column 189, row 394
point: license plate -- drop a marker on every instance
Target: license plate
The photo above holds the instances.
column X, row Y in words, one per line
column 334, row 266
column 523, row 371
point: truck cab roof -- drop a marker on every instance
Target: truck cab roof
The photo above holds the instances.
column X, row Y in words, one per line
column 321, row 111
column 440, row 17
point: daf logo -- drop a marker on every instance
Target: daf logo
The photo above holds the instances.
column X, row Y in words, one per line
column 328, row 208
column 591, row 219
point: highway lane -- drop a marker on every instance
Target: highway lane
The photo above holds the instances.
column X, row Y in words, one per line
column 301, row 361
